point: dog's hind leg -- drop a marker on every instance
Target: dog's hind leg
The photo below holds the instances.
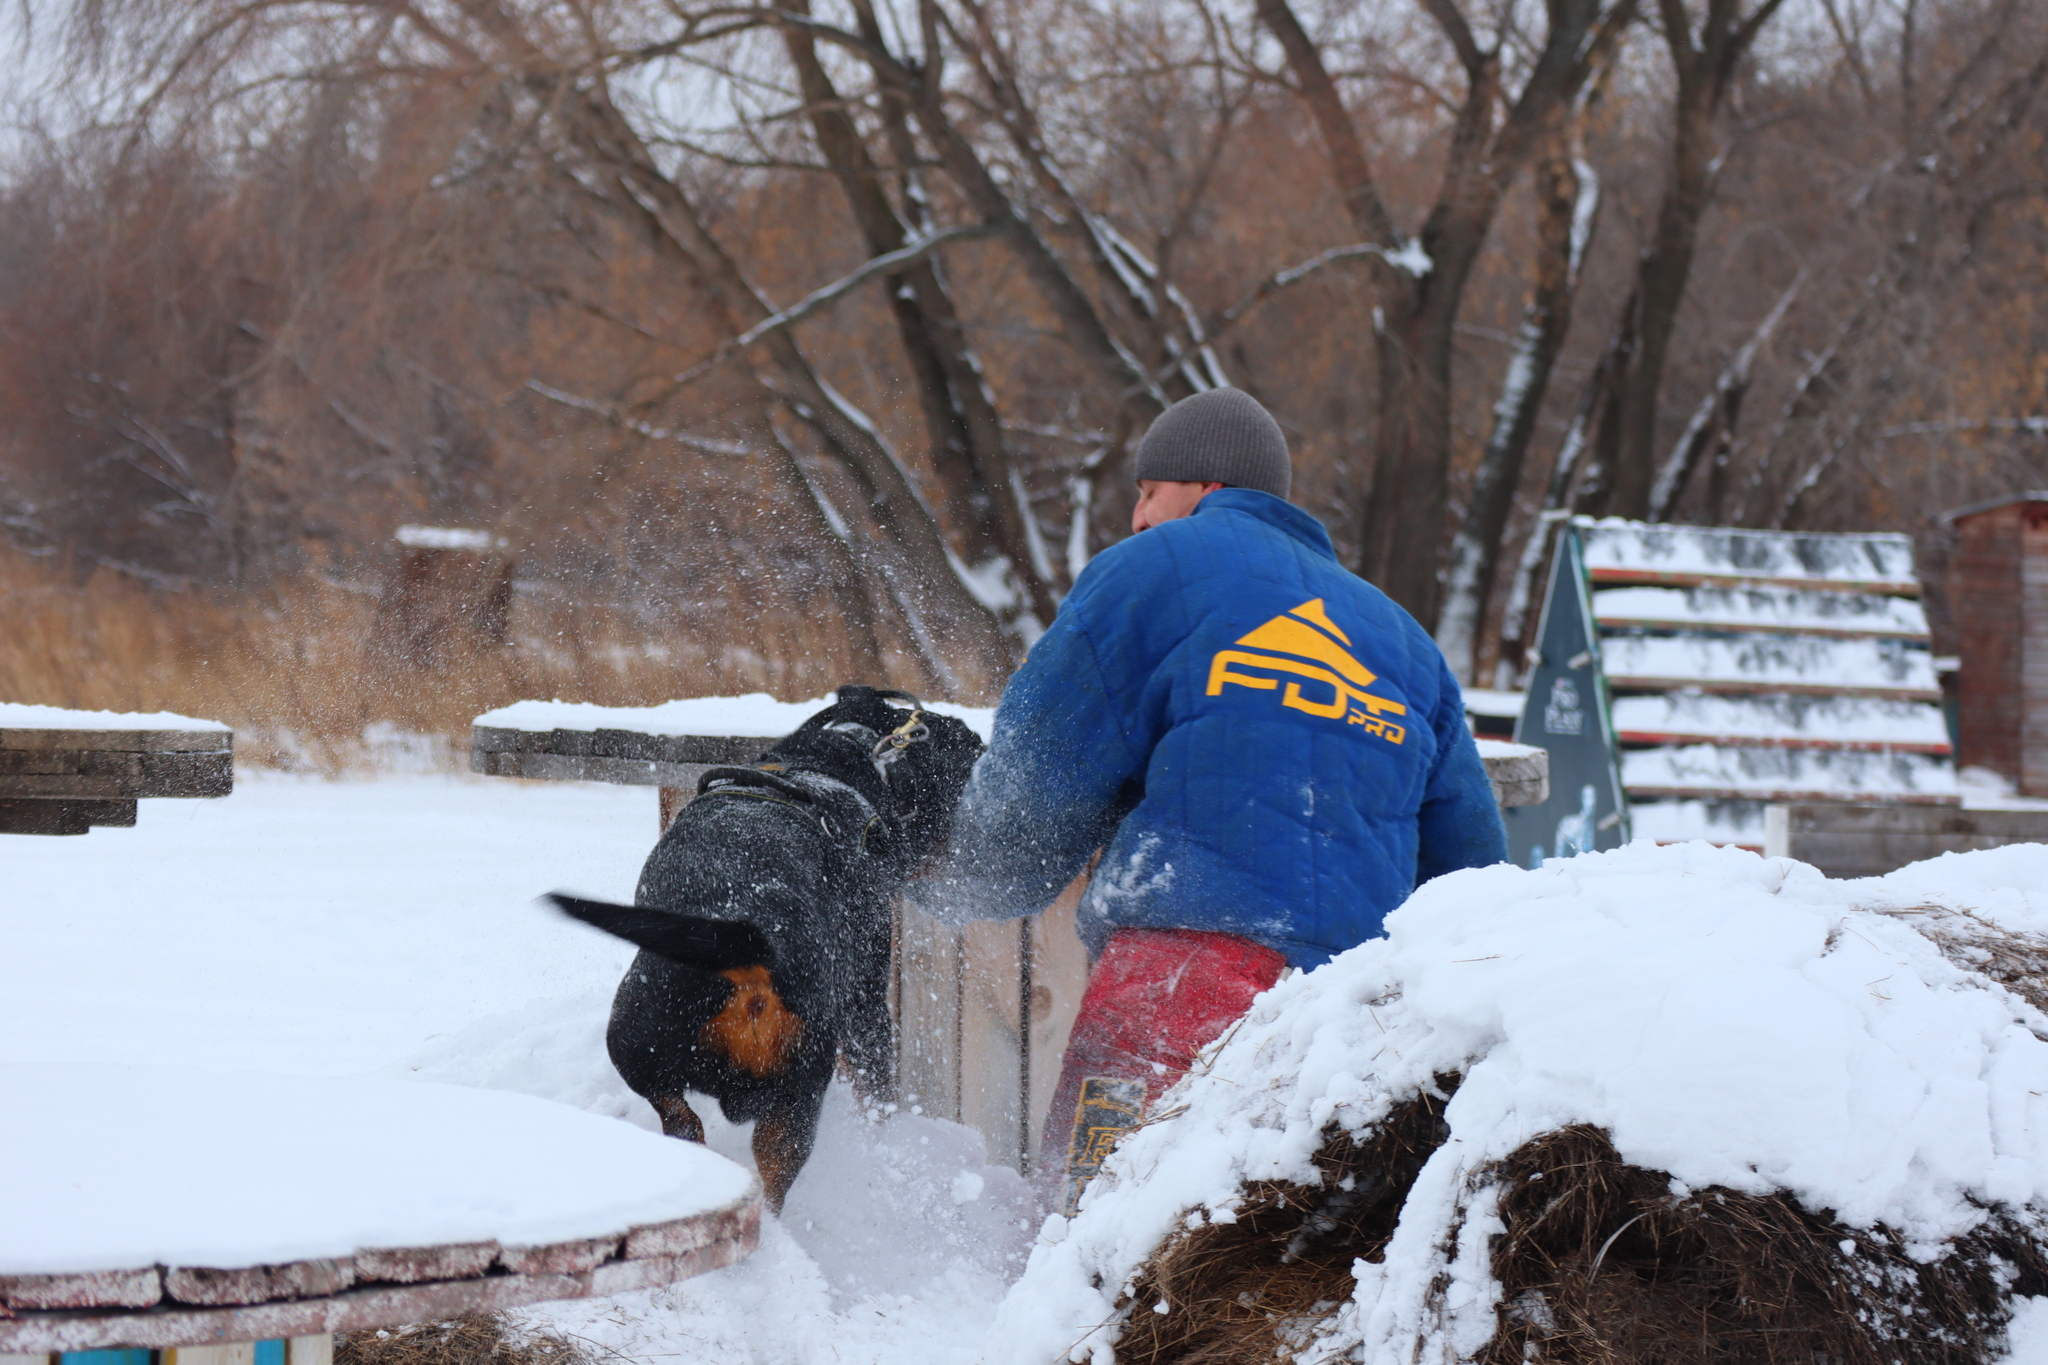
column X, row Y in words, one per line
column 678, row 1119
column 783, row 1138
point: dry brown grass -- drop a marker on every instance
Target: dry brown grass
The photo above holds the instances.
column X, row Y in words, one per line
column 295, row 670
column 2016, row 961
column 1601, row 1263
column 480, row 1339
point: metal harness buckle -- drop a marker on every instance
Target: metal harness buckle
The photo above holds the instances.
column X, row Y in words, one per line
column 890, row 747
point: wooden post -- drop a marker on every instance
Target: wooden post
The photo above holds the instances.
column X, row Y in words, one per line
column 1999, row 591
column 669, row 801
column 450, row 593
column 929, row 972
column 231, row 1353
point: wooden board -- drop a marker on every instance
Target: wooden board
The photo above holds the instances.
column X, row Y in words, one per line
column 39, row 815
column 114, row 774
column 1680, row 579
column 120, row 741
column 960, row 998
column 623, row 757
column 1736, row 687
column 1845, row 840
column 1619, row 552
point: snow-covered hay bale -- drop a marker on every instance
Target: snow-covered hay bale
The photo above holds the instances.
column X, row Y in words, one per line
column 1660, row 1104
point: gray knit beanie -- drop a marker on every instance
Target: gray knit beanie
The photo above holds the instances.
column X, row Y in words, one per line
column 1223, row 435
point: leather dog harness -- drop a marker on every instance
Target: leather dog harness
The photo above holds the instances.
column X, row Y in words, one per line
column 792, row 791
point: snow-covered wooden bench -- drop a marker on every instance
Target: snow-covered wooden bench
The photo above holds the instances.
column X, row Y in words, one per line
column 154, row 1208
column 64, row 772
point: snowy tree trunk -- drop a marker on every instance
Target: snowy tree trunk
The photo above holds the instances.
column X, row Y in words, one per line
column 1568, row 194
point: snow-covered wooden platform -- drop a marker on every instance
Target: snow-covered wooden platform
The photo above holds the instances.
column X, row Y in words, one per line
column 65, row 772
column 165, row 1207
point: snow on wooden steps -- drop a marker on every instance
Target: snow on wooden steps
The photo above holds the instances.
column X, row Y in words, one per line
column 1620, row 551
column 1791, row 664
column 1781, row 721
column 1748, row 667
column 1758, row 609
column 1716, row 771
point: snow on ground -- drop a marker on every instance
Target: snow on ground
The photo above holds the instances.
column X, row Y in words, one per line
column 387, row 926
column 1733, row 1020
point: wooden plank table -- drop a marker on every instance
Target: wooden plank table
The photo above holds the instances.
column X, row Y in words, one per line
column 279, row 1223
column 66, row 772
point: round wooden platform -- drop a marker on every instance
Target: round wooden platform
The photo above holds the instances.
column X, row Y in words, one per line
column 161, row 1207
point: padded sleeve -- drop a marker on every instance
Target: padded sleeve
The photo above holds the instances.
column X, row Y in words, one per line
column 1051, row 787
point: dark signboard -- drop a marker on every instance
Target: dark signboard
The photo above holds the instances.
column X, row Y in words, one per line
column 1566, row 712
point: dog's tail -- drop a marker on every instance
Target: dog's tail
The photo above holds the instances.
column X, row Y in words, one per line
column 712, row 945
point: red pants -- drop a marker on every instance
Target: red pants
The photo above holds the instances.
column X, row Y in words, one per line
column 1155, row 999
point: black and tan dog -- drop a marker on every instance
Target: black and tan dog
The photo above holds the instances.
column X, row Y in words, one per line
column 762, row 917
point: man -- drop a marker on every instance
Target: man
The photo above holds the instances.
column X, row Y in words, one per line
column 1269, row 752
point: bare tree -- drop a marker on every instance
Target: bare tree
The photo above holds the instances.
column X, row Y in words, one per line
column 1420, row 282
column 1703, row 63
column 1568, row 204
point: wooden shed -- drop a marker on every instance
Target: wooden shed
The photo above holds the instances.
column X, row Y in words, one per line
column 2000, row 593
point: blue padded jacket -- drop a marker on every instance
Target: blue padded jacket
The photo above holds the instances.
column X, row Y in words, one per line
column 1267, row 744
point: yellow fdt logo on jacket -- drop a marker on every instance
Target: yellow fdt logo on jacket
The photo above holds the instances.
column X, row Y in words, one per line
column 1306, row 643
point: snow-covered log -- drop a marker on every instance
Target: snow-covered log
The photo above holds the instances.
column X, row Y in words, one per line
column 1607, row 1109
